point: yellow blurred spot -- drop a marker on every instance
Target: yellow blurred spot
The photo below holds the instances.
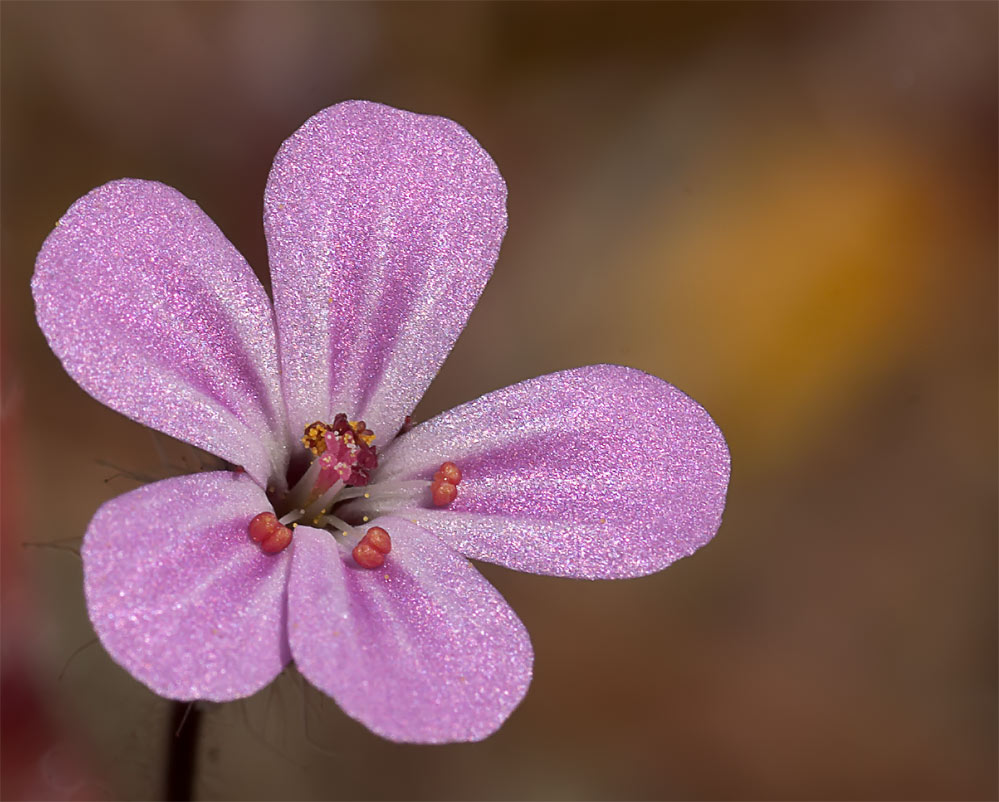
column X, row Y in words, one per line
column 780, row 287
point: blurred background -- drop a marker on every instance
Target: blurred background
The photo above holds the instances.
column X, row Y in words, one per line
column 788, row 211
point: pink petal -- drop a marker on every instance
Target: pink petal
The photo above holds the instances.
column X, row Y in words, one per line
column 178, row 593
column 422, row 649
column 599, row 472
column 382, row 227
column 155, row 313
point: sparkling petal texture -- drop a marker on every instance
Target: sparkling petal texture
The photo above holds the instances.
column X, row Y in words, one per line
column 179, row 595
column 422, row 649
column 382, row 228
column 154, row 312
column 599, row 472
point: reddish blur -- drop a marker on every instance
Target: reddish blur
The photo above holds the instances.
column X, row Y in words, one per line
column 789, row 211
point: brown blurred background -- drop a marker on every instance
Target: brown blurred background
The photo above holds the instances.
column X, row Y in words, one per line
column 789, row 211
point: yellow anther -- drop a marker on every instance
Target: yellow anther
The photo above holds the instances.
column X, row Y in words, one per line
column 313, row 438
column 363, row 434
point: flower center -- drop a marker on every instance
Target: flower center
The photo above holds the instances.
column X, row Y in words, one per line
column 336, row 490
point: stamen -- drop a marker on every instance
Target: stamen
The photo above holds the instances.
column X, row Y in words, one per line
column 323, row 502
column 444, row 487
column 443, row 492
column 450, row 472
column 367, row 556
column 371, row 551
column 278, row 541
column 313, row 438
column 364, row 434
column 272, row 535
column 343, row 459
column 380, row 539
column 382, row 489
column 263, row 526
column 339, row 523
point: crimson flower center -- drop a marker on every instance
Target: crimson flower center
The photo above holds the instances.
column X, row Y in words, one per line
column 336, row 493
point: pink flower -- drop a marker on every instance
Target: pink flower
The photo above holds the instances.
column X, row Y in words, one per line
column 382, row 229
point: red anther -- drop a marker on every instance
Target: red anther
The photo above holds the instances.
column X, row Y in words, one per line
column 263, row 526
column 443, row 492
column 450, row 472
column 366, row 555
column 379, row 539
column 278, row 541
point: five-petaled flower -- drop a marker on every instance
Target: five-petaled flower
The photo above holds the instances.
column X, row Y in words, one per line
column 340, row 543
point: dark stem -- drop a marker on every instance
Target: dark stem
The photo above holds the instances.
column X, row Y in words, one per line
column 182, row 751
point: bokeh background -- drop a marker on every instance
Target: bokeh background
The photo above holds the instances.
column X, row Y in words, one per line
column 788, row 211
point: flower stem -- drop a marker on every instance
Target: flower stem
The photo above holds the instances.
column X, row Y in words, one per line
column 182, row 751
